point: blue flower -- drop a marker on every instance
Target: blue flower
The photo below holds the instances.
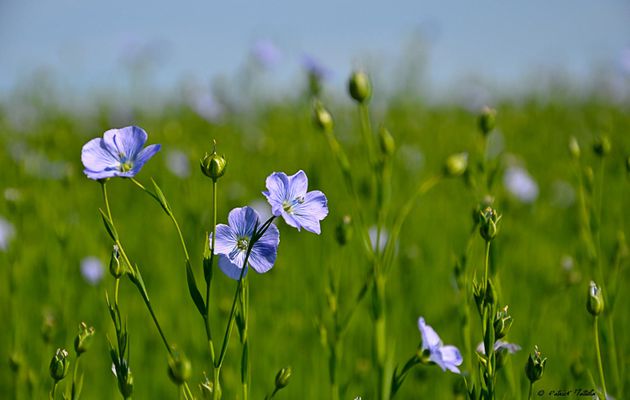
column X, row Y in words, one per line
column 289, row 199
column 232, row 242
column 447, row 357
column 315, row 68
column 500, row 345
column 118, row 153
column 92, row 270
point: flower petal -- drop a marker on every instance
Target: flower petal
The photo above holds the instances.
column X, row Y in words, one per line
column 451, row 357
column 277, row 184
column 311, row 211
column 243, row 220
column 265, row 250
column 144, row 155
column 298, row 184
column 128, row 140
column 229, row 268
column 430, row 338
column 98, row 160
column 225, row 241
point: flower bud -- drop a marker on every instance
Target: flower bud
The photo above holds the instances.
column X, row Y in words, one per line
column 83, row 340
column 322, row 118
column 456, row 164
column 282, row 377
column 491, row 293
column 487, row 120
column 488, row 223
column 206, row 388
column 179, row 368
column 59, row 365
column 535, row 366
column 502, row 323
column 359, row 86
column 115, row 268
column 213, row 165
column 574, row 148
column 478, row 294
column 125, row 385
column 386, row 142
column 344, row 230
column 601, row 146
column 594, row 300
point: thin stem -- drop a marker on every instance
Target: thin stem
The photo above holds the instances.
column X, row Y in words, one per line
column 74, row 378
column 486, row 268
column 366, row 130
column 53, row 391
column 599, row 356
column 209, row 282
column 531, row 390
column 157, row 324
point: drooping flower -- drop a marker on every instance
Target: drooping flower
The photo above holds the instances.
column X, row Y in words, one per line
column 446, row 357
column 118, row 153
column 92, row 270
column 288, row 198
column 232, row 242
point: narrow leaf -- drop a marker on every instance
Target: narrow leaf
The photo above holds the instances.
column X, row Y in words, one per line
column 194, row 291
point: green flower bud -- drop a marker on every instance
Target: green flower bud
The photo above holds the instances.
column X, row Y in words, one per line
column 488, row 223
column 344, row 230
column 628, row 164
column 594, row 300
column 574, row 148
column 213, row 165
column 206, row 388
column 115, row 267
column 322, row 118
column 125, row 385
column 179, row 368
column 487, row 120
column 502, row 323
column 589, row 179
column 83, row 340
column 282, row 377
column 456, row 164
column 386, row 142
column 535, row 366
column 478, row 294
column 491, row 293
column 601, row 146
column 360, row 87
column 59, row 365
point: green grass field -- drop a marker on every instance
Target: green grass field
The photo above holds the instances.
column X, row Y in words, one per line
column 54, row 210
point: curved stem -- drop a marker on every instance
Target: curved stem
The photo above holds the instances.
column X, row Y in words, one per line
column 599, row 356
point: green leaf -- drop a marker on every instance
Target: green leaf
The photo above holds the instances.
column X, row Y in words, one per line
column 194, row 291
column 159, row 196
column 109, row 226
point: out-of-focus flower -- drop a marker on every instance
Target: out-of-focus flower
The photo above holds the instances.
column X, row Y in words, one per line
column 446, row 357
column 7, row 231
column 500, row 345
column 92, row 270
column 266, row 53
column 314, row 67
column 382, row 240
column 288, row 198
column 262, row 208
column 233, row 240
column 520, row 184
column 178, row 163
column 207, row 106
column 118, row 153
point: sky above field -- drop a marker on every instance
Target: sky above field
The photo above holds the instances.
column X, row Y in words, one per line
column 88, row 45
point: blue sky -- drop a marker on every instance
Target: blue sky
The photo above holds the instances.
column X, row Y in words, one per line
column 83, row 43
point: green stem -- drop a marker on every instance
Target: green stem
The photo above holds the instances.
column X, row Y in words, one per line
column 73, row 394
column 486, row 269
column 209, row 281
column 366, row 130
column 599, row 356
column 244, row 306
column 53, row 391
column 531, row 390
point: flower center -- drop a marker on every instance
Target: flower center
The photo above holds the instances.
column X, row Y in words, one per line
column 125, row 164
column 288, row 205
column 242, row 243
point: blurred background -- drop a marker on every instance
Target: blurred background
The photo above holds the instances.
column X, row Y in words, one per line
column 245, row 74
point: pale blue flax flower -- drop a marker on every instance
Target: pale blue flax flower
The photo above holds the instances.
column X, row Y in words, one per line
column 92, row 270
column 118, row 153
column 446, row 357
column 233, row 240
column 288, row 198
column 500, row 345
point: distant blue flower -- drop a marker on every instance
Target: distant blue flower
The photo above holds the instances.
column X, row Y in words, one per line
column 447, row 357
column 118, row 153
column 315, row 68
column 177, row 162
column 92, row 270
column 520, row 184
column 232, row 242
column 289, row 199
column 7, row 231
column 500, row 345
column 266, row 53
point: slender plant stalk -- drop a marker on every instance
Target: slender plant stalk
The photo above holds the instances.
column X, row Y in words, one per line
column 599, row 356
column 531, row 390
